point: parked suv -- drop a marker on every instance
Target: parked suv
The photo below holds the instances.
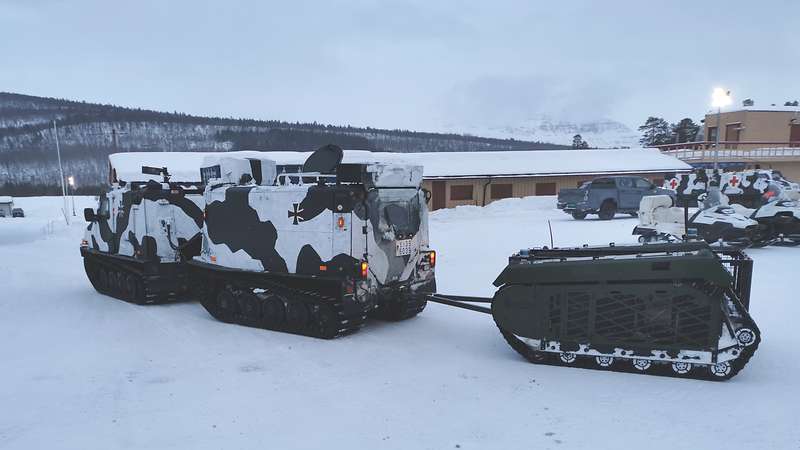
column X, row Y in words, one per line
column 17, row 212
column 607, row 196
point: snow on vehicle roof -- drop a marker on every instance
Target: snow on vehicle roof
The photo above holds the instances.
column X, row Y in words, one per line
column 185, row 166
column 6, row 199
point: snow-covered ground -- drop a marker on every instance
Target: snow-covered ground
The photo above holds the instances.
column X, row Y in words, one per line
column 80, row 370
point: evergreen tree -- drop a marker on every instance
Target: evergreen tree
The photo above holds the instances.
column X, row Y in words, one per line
column 685, row 130
column 655, row 131
column 578, row 142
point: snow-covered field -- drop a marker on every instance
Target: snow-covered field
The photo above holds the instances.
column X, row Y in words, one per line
column 83, row 371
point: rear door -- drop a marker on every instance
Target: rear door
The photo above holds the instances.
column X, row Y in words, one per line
column 629, row 194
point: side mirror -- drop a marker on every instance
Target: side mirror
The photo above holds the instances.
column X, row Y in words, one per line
column 89, row 215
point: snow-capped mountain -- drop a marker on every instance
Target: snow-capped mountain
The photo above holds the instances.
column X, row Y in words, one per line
column 602, row 133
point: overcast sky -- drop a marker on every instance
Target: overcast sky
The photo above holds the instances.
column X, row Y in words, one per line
column 404, row 64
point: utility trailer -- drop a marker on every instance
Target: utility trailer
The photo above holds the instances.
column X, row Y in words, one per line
column 671, row 309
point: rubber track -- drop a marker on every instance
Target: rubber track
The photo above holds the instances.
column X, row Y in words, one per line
column 345, row 320
column 625, row 365
column 145, row 293
column 401, row 310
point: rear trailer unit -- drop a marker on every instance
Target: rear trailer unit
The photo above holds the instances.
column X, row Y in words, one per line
column 138, row 236
column 670, row 309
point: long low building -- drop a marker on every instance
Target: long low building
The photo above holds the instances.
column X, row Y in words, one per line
column 456, row 178
column 478, row 178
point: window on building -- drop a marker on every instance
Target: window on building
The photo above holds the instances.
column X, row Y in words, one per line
column 501, row 190
column 545, row 189
column 712, row 134
column 461, row 192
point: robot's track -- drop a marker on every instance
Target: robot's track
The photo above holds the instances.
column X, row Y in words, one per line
column 275, row 307
column 124, row 281
column 633, row 365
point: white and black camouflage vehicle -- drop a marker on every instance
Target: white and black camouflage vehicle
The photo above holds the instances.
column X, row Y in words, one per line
column 313, row 252
column 747, row 187
column 133, row 247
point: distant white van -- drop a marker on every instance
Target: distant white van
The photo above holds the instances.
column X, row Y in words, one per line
column 6, row 205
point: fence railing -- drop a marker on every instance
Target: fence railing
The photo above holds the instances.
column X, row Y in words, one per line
column 694, row 153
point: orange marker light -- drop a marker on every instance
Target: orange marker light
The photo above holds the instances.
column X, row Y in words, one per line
column 340, row 222
column 213, row 259
column 364, row 269
column 84, row 243
column 432, row 258
column 323, row 268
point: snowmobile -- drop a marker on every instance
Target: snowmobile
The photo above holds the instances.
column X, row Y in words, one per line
column 313, row 252
column 779, row 216
column 678, row 309
column 133, row 244
column 715, row 221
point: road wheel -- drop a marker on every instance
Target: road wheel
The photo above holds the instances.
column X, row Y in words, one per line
column 296, row 314
column 274, row 311
column 578, row 215
column 607, row 210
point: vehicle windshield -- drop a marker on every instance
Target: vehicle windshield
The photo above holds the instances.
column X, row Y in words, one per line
column 397, row 210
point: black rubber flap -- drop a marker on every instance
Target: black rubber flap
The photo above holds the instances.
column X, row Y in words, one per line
column 324, row 160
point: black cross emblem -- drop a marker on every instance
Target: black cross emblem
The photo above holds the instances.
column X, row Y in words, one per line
column 295, row 215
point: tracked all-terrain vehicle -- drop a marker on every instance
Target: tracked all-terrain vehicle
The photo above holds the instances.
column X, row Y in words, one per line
column 313, row 252
column 138, row 234
column 670, row 309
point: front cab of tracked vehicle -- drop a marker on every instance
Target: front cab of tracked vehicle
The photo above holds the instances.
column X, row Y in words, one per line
column 362, row 227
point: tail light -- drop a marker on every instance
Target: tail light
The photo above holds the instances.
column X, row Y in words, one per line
column 432, row 258
column 84, row 243
column 364, row 270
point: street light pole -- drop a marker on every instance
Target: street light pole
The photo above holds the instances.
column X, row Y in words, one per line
column 61, row 171
column 716, row 139
column 71, row 181
column 719, row 98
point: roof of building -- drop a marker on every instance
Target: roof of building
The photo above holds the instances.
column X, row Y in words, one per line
column 756, row 108
column 185, row 166
column 6, row 199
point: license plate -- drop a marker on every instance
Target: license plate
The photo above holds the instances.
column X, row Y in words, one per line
column 404, row 247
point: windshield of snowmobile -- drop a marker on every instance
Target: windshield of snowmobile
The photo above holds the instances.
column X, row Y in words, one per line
column 396, row 211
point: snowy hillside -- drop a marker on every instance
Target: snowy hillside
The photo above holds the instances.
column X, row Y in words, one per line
column 86, row 371
column 89, row 132
column 600, row 133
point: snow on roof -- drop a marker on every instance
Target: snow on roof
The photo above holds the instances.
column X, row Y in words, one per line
column 543, row 163
column 6, row 199
column 756, row 108
column 185, row 166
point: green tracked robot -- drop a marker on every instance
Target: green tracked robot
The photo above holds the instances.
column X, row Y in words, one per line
column 672, row 309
